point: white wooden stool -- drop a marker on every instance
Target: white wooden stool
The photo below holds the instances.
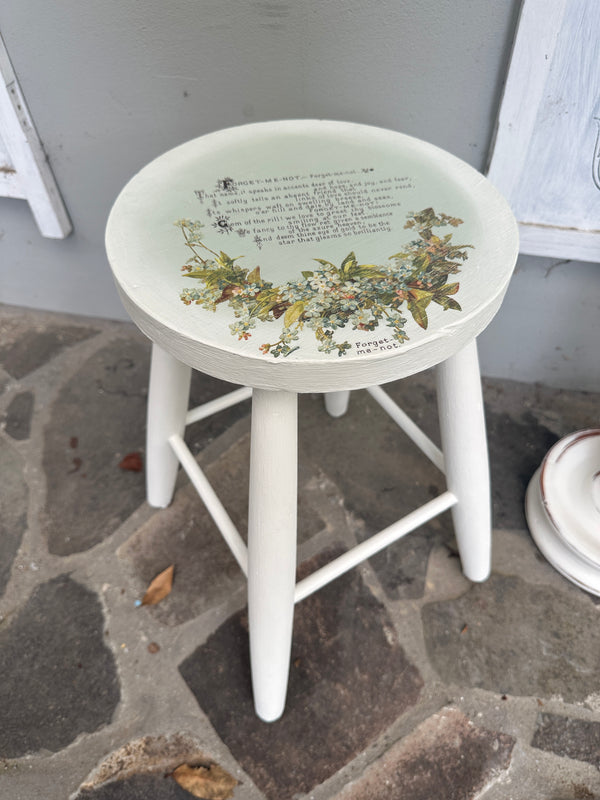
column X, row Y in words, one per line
column 311, row 256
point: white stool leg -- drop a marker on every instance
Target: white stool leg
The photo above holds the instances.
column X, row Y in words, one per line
column 272, row 546
column 168, row 398
column 336, row 403
column 464, row 442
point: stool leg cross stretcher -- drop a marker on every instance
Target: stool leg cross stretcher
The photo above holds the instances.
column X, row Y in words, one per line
column 269, row 560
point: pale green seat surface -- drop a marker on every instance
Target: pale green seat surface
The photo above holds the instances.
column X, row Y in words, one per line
column 310, row 255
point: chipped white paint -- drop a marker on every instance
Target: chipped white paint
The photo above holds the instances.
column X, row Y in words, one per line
column 24, row 170
column 563, row 508
column 546, row 158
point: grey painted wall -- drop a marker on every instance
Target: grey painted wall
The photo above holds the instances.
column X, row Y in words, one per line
column 548, row 329
column 113, row 84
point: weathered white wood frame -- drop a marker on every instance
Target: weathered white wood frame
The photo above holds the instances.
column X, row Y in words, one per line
column 24, row 170
column 525, row 102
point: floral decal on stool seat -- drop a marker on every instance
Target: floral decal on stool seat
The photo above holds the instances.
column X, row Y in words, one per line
column 327, row 298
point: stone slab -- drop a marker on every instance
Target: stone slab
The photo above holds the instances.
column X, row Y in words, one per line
column 25, row 349
column 184, row 534
column 17, row 420
column 447, row 756
column 58, row 676
column 568, row 737
column 515, row 638
column 138, row 787
column 97, row 418
column 581, row 792
column 349, row 681
column 517, row 445
column 382, row 476
column 13, row 509
column 89, row 496
column 203, row 389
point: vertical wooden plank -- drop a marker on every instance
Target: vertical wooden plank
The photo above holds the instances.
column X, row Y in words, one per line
column 25, row 172
column 539, row 22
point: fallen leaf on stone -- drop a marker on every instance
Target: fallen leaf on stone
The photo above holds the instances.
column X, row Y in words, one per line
column 160, row 587
column 132, row 462
column 77, row 462
column 208, row 782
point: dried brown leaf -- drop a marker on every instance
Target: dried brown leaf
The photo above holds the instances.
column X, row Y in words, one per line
column 160, row 587
column 210, row 782
column 132, row 462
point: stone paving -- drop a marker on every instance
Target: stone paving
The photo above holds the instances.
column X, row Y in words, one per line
column 407, row 681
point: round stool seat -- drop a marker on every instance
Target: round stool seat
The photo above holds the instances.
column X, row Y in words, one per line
column 310, row 256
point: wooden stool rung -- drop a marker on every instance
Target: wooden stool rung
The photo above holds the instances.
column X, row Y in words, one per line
column 213, row 505
column 352, row 557
column 218, row 404
column 372, row 545
column 410, row 428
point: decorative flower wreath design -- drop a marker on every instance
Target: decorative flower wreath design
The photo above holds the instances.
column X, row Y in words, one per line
column 329, row 297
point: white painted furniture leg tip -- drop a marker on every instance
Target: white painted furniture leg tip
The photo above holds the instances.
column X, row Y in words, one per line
column 479, row 577
column 336, row 403
column 269, row 715
column 158, row 503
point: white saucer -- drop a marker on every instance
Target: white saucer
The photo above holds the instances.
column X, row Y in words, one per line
column 563, row 508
